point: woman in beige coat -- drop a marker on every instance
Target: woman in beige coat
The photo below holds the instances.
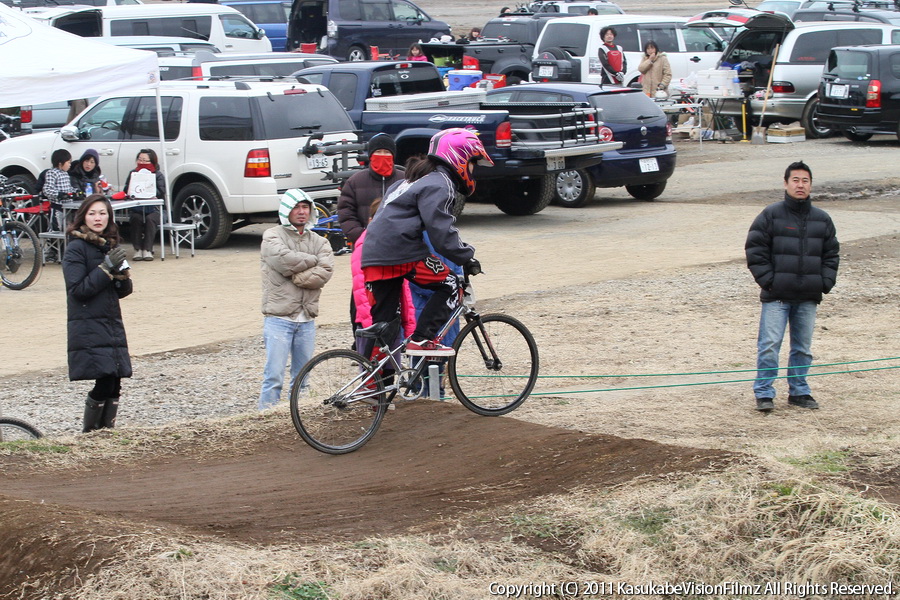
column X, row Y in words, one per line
column 656, row 73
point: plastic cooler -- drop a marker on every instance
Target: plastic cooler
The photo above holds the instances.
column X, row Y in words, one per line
column 463, row 78
column 308, row 48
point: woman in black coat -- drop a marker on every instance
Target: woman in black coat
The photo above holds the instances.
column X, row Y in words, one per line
column 96, row 276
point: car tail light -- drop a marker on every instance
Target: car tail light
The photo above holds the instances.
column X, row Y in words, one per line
column 293, row 91
column 504, row 135
column 873, row 94
column 470, row 62
column 782, row 87
column 606, row 134
column 258, row 164
column 197, row 73
column 25, row 114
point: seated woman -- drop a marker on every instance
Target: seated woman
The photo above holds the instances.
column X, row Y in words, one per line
column 86, row 172
column 144, row 220
column 57, row 185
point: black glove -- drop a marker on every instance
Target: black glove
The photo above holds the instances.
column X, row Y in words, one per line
column 472, row 267
column 115, row 258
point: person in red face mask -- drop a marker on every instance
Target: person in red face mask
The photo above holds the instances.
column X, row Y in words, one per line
column 364, row 187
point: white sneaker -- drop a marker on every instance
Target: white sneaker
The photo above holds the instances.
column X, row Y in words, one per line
column 148, row 254
column 138, row 255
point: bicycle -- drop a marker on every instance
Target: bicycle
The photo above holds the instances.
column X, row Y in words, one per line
column 20, row 246
column 340, row 397
column 16, row 430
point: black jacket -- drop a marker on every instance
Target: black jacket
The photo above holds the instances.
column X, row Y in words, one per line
column 96, row 334
column 792, row 251
column 357, row 194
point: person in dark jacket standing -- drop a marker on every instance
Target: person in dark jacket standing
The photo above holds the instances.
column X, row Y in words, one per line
column 365, row 187
column 793, row 253
column 96, row 276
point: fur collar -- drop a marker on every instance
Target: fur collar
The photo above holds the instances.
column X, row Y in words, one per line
column 90, row 237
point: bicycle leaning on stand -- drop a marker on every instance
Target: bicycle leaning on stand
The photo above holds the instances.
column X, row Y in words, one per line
column 340, row 397
column 20, row 247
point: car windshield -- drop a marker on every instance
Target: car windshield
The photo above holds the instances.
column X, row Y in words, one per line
column 625, row 107
column 849, row 65
column 289, row 115
column 568, row 36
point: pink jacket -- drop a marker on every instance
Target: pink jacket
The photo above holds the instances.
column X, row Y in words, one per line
column 361, row 297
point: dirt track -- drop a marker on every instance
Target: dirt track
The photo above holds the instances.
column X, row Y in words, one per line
column 431, row 463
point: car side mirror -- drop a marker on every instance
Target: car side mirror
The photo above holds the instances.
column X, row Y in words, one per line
column 69, row 133
column 260, row 33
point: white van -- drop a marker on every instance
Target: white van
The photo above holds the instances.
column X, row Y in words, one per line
column 573, row 43
column 221, row 26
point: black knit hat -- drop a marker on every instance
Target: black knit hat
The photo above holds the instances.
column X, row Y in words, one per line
column 381, row 141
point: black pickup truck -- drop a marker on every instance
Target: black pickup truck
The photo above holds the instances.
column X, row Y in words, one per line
column 529, row 143
column 506, row 48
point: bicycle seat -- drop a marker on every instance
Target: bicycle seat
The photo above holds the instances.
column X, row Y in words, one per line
column 383, row 330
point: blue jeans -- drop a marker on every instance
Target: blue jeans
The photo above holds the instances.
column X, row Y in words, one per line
column 283, row 338
column 773, row 320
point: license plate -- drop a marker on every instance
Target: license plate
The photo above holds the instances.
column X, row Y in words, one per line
column 649, row 165
column 556, row 163
column 545, row 71
column 317, row 162
column 839, row 91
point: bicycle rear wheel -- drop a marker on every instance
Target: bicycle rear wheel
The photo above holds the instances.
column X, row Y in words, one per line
column 16, row 430
column 20, row 255
column 337, row 401
column 495, row 366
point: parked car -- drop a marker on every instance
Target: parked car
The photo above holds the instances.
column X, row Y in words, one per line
column 231, row 148
column 202, row 65
column 271, row 15
column 563, row 8
column 786, row 7
column 347, row 29
column 642, row 165
column 37, row 3
column 222, row 26
column 862, row 15
column 859, row 93
column 802, row 51
column 162, row 45
column 568, row 48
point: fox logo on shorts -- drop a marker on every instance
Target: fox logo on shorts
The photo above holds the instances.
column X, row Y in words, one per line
column 434, row 264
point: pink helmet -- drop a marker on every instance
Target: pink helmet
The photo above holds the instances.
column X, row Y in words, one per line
column 456, row 147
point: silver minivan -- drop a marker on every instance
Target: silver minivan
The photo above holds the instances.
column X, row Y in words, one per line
column 802, row 51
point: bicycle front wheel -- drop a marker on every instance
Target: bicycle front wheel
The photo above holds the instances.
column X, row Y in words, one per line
column 15, row 430
column 337, row 401
column 20, row 258
column 495, row 366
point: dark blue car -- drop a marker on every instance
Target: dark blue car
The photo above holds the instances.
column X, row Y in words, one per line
column 271, row 15
column 645, row 162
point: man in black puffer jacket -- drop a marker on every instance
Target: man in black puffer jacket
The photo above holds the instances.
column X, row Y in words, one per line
column 793, row 253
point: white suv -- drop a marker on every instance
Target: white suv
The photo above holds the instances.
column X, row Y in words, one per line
column 231, row 147
column 199, row 65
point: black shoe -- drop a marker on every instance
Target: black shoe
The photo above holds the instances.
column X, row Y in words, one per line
column 805, row 401
column 765, row 404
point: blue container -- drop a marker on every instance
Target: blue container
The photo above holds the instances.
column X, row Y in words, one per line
column 462, row 78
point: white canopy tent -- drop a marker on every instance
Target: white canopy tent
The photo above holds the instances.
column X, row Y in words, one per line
column 42, row 64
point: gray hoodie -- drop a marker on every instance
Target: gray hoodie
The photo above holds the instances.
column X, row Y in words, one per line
column 394, row 236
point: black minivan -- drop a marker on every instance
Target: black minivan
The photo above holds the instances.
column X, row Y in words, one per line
column 860, row 91
column 346, row 29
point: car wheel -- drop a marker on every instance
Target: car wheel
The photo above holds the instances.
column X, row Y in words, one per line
column 650, row 191
column 24, row 181
column 574, row 188
column 856, row 137
column 525, row 196
column 810, row 121
column 201, row 204
column 357, row 54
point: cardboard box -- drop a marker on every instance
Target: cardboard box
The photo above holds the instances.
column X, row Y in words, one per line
column 785, row 134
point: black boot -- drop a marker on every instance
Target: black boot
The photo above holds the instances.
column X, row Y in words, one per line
column 109, row 413
column 93, row 413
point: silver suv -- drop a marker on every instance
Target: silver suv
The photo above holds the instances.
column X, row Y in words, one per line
column 231, row 148
column 204, row 64
column 802, row 51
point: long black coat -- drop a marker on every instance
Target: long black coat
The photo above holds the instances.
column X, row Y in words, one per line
column 96, row 343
